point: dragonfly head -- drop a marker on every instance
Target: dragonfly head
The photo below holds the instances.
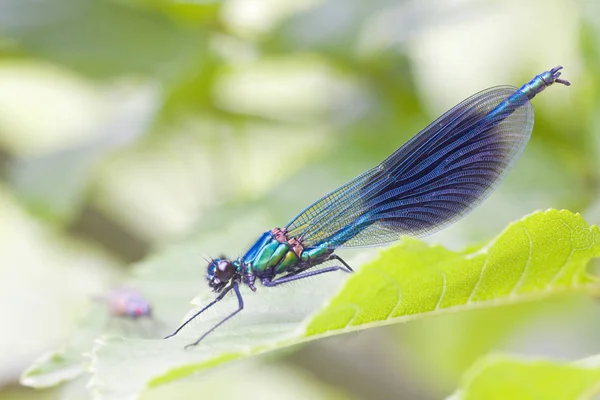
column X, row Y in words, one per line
column 219, row 272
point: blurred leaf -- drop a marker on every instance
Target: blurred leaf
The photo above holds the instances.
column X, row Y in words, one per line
column 191, row 90
column 589, row 93
column 507, row 377
column 71, row 361
column 268, row 382
column 54, row 368
column 332, row 27
column 53, row 185
column 352, row 29
column 205, row 12
column 467, row 336
column 297, row 88
column 542, row 255
column 44, row 280
column 99, row 37
column 74, row 390
column 16, row 392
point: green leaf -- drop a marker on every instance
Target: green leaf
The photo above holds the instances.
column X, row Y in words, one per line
column 542, row 255
column 53, row 184
column 100, row 38
column 54, row 368
column 469, row 335
column 205, row 12
column 267, row 381
column 69, row 362
column 506, row 377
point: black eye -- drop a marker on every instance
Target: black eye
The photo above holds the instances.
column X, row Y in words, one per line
column 224, row 270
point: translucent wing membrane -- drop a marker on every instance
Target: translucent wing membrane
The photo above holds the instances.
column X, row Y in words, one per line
column 437, row 177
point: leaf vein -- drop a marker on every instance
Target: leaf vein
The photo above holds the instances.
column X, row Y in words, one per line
column 524, row 273
column 483, row 267
column 437, row 306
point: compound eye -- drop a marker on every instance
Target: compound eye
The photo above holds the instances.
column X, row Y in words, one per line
column 224, row 270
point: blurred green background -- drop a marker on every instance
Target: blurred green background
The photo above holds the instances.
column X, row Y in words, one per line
column 130, row 125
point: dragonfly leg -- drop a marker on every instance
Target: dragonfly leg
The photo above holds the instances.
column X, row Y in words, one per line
column 338, row 258
column 331, row 257
column 236, row 289
column 209, row 305
column 294, row 277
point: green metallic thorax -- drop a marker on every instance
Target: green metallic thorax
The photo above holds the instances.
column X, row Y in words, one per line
column 269, row 257
column 274, row 256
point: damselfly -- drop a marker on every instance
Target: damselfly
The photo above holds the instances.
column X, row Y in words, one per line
column 434, row 179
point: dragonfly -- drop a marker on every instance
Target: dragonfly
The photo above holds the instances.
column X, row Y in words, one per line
column 434, row 179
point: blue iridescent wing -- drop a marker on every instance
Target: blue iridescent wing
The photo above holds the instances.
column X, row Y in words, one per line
column 437, row 177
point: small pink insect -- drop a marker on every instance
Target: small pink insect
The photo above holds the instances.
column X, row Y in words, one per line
column 126, row 303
